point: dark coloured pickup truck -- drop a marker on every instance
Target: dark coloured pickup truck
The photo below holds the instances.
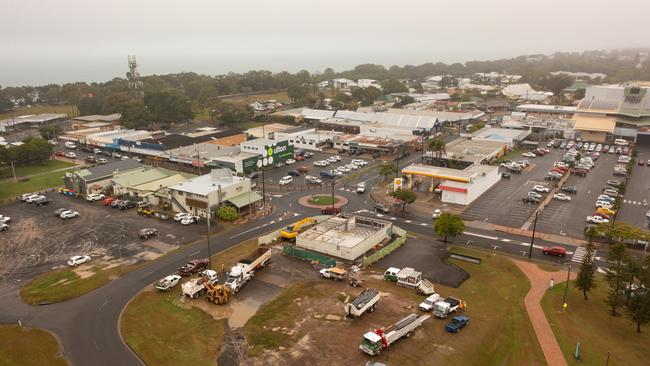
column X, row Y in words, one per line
column 193, row 266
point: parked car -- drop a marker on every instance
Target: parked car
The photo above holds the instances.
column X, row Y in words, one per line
column 561, row 197
column 531, row 200
column 193, row 266
column 189, row 220
column 147, row 233
column 572, row 190
column 33, row 198
column 540, row 189
column 579, row 171
column 42, row 201
column 285, row 180
column 313, row 180
column 125, row 205
column 456, row 324
column 596, row 220
column 505, row 175
column 116, row 203
column 606, row 211
column 4, row 227
column 69, row 214
column 4, row 219
column 380, row 207
column 528, row 155
column 77, row 260
column 293, row 173
column 182, row 215
column 70, row 155
column 613, row 182
column 303, row 169
column 641, row 162
column 94, row 197
column 436, row 213
column 289, row 161
column 534, row 194
column 168, row 282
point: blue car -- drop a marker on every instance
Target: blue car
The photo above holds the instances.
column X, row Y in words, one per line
column 456, row 324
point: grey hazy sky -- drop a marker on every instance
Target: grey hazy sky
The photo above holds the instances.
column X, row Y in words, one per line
column 88, row 40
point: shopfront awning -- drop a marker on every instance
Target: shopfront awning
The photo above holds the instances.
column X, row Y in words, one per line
column 245, row 199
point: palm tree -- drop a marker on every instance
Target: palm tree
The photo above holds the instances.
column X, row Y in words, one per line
column 437, row 146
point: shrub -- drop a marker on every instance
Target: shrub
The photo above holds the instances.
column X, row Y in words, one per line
column 227, row 213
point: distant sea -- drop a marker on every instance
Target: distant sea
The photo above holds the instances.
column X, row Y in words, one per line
column 59, row 70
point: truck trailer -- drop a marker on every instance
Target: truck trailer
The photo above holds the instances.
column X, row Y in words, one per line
column 374, row 342
column 245, row 269
column 366, row 302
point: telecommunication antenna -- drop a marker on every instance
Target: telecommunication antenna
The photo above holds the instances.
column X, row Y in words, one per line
column 136, row 88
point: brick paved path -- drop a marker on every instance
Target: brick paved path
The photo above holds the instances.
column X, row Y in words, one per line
column 539, row 283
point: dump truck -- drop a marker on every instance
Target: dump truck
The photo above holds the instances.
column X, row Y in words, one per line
column 366, row 302
column 196, row 286
column 425, row 288
column 447, row 306
column 218, row 294
column 333, row 273
column 244, row 270
column 291, row 231
column 374, row 342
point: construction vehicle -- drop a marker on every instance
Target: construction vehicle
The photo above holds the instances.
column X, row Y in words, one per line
column 218, row 294
column 425, row 288
column 291, row 232
column 244, row 270
column 333, row 273
column 366, row 302
column 447, row 306
column 353, row 277
column 196, row 286
column 408, row 277
column 374, row 342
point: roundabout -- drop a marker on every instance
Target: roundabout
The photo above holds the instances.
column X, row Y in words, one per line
column 321, row 201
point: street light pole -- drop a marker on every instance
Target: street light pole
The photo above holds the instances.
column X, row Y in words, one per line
column 208, row 235
column 333, row 183
column 532, row 238
column 566, row 288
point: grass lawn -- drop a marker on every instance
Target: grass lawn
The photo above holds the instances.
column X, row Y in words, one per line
column 28, row 346
column 23, row 170
column 9, row 189
column 162, row 332
column 153, row 321
column 65, row 284
column 590, row 323
column 548, row 267
column 515, row 154
column 323, row 200
column 38, row 109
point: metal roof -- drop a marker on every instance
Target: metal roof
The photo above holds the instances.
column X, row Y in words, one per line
column 245, row 199
column 107, row 170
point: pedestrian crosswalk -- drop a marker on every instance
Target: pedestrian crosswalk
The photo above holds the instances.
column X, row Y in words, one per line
column 579, row 255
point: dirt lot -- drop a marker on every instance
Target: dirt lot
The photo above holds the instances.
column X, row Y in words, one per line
column 37, row 241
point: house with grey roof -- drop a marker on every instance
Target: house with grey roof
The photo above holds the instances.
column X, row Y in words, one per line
column 99, row 178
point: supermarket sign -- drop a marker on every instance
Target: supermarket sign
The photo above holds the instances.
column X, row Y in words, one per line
column 275, row 153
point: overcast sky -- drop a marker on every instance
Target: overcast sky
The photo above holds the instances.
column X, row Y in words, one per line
column 88, row 40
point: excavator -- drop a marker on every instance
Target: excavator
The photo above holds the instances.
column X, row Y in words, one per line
column 291, row 232
column 218, row 294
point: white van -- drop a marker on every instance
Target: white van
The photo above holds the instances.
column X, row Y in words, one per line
column 286, row 180
column 70, row 145
column 621, row 142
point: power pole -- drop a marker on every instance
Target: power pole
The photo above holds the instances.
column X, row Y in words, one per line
column 208, row 235
column 532, row 238
column 566, row 288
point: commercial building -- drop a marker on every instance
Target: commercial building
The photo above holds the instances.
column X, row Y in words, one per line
column 103, row 118
column 211, row 190
column 525, row 92
column 150, row 185
column 31, row 121
column 366, row 83
column 468, row 152
column 268, row 131
column 508, row 136
column 99, row 179
column 346, row 237
column 367, row 144
column 543, row 110
column 459, row 187
column 307, row 138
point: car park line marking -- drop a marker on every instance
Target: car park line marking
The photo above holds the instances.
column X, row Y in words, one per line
column 195, row 253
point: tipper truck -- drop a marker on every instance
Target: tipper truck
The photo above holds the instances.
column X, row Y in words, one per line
column 195, row 287
column 244, row 270
column 374, row 342
column 447, row 306
column 365, row 302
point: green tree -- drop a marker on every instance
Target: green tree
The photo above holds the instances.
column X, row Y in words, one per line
column 403, row 100
column 556, row 84
column 585, row 281
column 50, row 132
column 227, row 213
column 387, row 168
column 391, row 86
column 135, row 115
column 405, row 196
column 5, row 105
column 449, row 225
column 231, row 114
column 437, row 146
column 298, row 92
column 616, row 275
column 639, row 303
column 168, row 106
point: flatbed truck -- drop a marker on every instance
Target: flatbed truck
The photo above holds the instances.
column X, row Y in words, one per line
column 447, row 306
column 374, row 342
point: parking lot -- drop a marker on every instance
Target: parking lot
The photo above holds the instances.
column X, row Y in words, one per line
column 502, row 204
column 637, row 192
column 38, row 241
column 568, row 218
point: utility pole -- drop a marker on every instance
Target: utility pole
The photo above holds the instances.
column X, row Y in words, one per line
column 397, row 161
column 208, row 216
column 14, row 171
column 333, row 183
column 532, row 238
column 566, row 288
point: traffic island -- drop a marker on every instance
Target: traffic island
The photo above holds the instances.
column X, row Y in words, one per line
column 322, row 200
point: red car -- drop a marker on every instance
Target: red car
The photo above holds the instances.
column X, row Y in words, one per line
column 604, row 216
column 558, row 170
column 642, row 162
column 60, row 153
column 193, row 266
column 579, row 171
column 108, row 200
column 556, row 250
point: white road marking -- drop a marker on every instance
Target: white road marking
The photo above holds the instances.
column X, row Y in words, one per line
column 482, row 236
column 408, row 221
column 104, row 304
column 195, row 253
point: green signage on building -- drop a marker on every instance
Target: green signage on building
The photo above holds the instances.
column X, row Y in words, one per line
column 275, row 153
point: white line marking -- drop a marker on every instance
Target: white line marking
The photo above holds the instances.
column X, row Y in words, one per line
column 408, row 221
column 195, row 253
column 482, row 236
column 104, row 304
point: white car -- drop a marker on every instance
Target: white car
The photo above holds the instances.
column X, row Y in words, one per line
column 436, row 213
column 361, row 187
column 77, row 260
column 560, row 164
column 352, row 166
column 359, row 162
column 97, row 151
column 561, row 197
column 528, row 155
column 4, row 227
column 286, row 180
column 332, row 159
column 182, row 215
column 34, row 197
column 23, row 197
column 94, row 197
column 534, row 195
column 596, row 220
column 540, row 189
column 69, row 214
column 70, row 155
column 429, row 302
column 289, row 161
column 124, row 157
column 321, row 163
column 4, row 219
column 605, row 204
column 189, row 220
column 168, row 282
column 344, row 169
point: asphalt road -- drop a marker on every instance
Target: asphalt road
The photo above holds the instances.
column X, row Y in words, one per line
column 636, row 202
column 88, row 326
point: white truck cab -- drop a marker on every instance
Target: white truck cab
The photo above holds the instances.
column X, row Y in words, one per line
column 429, row 302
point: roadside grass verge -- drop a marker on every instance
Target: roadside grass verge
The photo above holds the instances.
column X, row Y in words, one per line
column 66, row 284
column 29, row 346
column 34, row 184
column 590, row 323
column 548, row 267
column 23, row 170
column 162, row 332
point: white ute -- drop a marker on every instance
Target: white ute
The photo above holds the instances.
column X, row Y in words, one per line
column 429, row 302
